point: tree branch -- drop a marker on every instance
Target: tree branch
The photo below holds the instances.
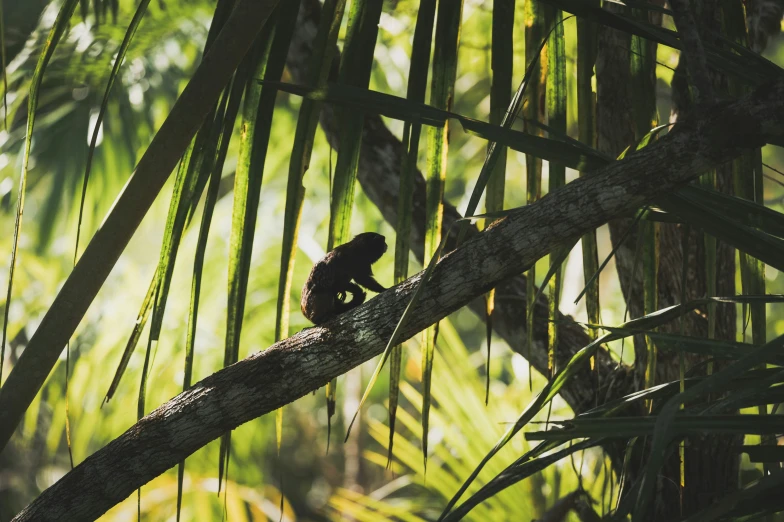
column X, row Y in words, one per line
column 291, row 368
column 380, row 161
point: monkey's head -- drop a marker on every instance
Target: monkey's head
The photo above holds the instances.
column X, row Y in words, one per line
column 372, row 245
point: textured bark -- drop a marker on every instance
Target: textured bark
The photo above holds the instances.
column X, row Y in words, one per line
column 693, row 49
column 713, row 456
column 379, row 176
column 615, row 131
column 306, row 361
column 671, row 254
column 711, row 463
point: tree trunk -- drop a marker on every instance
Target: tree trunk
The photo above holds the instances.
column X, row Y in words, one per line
column 711, row 463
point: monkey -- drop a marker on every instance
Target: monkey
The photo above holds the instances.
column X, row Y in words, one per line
column 330, row 280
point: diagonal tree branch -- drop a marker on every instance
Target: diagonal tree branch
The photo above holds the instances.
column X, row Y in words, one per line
column 291, row 368
column 380, row 162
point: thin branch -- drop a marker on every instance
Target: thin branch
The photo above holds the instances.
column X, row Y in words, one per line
column 291, row 368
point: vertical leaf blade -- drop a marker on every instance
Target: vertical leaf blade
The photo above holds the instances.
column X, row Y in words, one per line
column 533, row 110
column 587, row 49
column 58, row 28
column 417, row 85
column 642, row 65
column 307, row 121
column 355, row 67
column 118, row 60
column 441, row 96
column 501, row 56
column 556, row 115
column 266, row 61
column 198, row 262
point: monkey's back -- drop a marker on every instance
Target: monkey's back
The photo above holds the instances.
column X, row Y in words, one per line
column 319, row 302
column 318, row 297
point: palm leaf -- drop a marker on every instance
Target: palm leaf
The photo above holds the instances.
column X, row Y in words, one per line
column 56, row 32
column 2, row 69
column 152, row 171
column 577, row 362
column 662, row 432
column 141, row 9
column 198, row 262
column 417, row 84
column 556, row 117
column 683, row 424
column 495, row 153
column 136, row 334
column 318, row 69
column 355, row 69
column 755, row 500
column 571, row 154
column 512, row 475
column 747, row 67
column 714, row 221
column 267, row 61
column 186, row 185
column 501, row 57
column 587, row 49
column 534, row 113
column 442, row 91
column 764, row 453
